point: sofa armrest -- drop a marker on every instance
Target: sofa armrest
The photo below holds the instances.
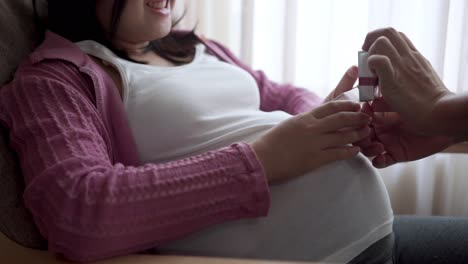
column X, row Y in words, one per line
column 12, row 253
column 185, row 260
column 460, row 148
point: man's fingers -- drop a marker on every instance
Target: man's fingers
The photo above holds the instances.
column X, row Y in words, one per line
column 381, row 113
column 386, row 118
column 383, row 67
column 334, row 107
column 365, row 143
column 382, row 46
column 395, row 38
column 383, row 160
column 380, row 105
column 374, row 149
column 367, row 109
column 408, row 42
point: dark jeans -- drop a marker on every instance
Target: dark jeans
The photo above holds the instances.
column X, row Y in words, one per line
column 421, row 240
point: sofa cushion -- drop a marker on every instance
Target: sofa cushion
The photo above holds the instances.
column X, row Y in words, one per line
column 19, row 35
column 16, row 221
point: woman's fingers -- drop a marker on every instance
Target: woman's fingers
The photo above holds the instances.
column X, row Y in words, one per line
column 342, row 120
column 338, row 153
column 334, row 107
column 337, row 139
column 346, row 84
column 347, row 81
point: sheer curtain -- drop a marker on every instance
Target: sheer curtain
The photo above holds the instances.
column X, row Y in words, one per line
column 311, row 43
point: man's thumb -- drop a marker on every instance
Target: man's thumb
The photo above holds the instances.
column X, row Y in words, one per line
column 382, row 67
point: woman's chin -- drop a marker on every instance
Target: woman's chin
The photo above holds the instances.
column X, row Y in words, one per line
column 161, row 34
column 161, row 30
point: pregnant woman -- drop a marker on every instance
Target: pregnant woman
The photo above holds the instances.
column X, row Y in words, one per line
column 133, row 137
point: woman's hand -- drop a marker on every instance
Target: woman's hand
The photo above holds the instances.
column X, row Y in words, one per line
column 346, row 84
column 310, row 140
column 393, row 140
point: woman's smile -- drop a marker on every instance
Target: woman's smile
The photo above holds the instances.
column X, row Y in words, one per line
column 159, row 6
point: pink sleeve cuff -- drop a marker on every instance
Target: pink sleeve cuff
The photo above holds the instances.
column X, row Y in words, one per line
column 261, row 197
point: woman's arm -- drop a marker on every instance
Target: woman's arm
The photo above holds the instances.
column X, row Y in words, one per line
column 89, row 208
column 13, row 253
column 273, row 96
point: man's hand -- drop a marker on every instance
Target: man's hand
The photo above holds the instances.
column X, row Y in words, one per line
column 407, row 80
column 393, row 140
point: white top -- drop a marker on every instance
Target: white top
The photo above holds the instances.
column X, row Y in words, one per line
column 175, row 112
column 332, row 213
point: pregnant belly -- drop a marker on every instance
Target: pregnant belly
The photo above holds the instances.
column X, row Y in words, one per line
column 333, row 213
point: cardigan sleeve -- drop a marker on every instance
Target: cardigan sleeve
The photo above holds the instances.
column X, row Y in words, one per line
column 274, row 96
column 89, row 208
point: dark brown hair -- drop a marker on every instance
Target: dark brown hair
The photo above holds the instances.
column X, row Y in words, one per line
column 76, row 20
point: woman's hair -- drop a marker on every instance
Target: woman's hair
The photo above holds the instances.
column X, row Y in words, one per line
column 76, row 20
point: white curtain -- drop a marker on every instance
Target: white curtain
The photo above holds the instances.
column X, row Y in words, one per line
column 312, row 42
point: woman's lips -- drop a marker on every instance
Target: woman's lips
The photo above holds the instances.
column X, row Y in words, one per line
column 160, row 7
column 157, row 4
